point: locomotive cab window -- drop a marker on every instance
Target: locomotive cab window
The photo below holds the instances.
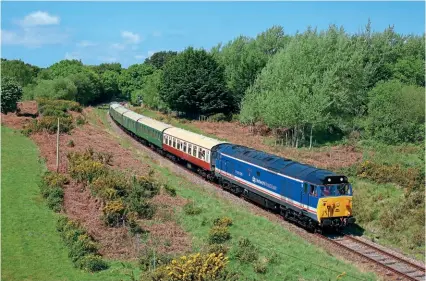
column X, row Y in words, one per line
column 312, row 190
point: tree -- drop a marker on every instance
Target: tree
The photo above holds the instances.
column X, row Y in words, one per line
column 104, row 67
column 109, row 80
column 11, row 92
column 59, row 88
column 149, row 94
column 244, row 58
column 87, row 81
column 159, row 59
column 193, row 82
column 396, row 113
column 23, row 73
column 133, row 78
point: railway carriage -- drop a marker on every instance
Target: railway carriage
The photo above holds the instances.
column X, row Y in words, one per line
column 193, row 148
column 312, row 197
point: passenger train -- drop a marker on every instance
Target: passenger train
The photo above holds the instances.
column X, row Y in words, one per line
column 312, row 197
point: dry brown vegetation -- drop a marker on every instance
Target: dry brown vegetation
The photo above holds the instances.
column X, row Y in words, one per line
column 164, row 232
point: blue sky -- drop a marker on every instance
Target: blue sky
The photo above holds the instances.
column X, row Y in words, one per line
column 43, row 33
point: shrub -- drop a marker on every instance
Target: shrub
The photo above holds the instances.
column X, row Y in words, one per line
column 410, row 178
column 104, row 157
column 170, row 190
column 146, row 187
column 54, row 179
column 219, row 234
column 197, row 267
column 218, row 248
column 49, row 124
column 83, row 250
column 260, row 266
column 55, row 198
column 62, row 105
column 92, row 263
column 224, row 221
column 246, row 251
column 111, row 186
column 83, row 168
column 191, row 209
column 113, row 213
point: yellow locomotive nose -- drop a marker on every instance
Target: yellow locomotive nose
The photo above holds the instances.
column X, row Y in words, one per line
column 334, row 207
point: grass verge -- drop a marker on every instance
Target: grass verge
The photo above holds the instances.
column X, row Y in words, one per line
column 31, row 246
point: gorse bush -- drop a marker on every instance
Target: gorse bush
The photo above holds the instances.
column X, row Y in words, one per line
column 218, row 248
column 83, row 168
column 219, row 234
column 114, row 213
column 49, row 124
column 111, row 186
column 62, row 105
column 410, row 178
column 148, row 258
column 170, row 190
column 224, row 221
column 83, row 250
column 195, row 267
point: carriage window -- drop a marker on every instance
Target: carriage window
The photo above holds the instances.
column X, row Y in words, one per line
column 190, row 149
column 165, row 140
column 201, row 154
column 194, row 151
column 174, row 142
column 208, row 156
column 184, row 147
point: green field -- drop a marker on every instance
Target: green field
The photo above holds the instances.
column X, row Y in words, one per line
column 297, row 259
column 31, row 247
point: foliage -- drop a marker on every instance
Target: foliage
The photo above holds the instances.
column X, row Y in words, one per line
column 410, row 178
column 218, row 248
column 170, row 190
column 133, row 78
column 396, row 113
column 80, row 121
column 83, row 250
column 11, row 93
column 21, row 72
column 191, row 209
column 245, row 57
column 218, row 117
column 105, row 67
column 260, row 266
column 159, row 59
column 223, row 221
column 83, row 168
column 195, row 267
column 56, row 89
column 111, row 186
column 110, row 80
column 219, row 234
column 114, row 213
column 49, row 124
column 246, row 252
column 51, row 188
column 149, row 257
column 63, row 105
column 194, row 82
column 149, row 93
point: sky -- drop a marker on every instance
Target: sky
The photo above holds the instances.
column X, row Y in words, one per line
column 42, row 33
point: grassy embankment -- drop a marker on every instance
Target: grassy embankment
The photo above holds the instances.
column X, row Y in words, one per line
column 296, row 258
column 31, row 246
column 377, row 206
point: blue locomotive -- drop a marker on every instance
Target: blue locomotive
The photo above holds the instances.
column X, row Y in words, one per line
column 307, row 195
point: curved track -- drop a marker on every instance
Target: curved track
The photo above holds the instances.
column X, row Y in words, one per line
column 393, row 264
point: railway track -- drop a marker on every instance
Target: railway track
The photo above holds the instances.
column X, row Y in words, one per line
column 392, row 263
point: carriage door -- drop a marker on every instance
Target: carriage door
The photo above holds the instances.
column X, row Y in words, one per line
column 304, row 200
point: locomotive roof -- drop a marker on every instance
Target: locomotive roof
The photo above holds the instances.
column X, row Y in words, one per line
column 194, row 138
column 282, row 166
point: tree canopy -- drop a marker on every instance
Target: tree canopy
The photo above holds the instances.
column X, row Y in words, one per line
column 159, row 59
column 193, row 82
